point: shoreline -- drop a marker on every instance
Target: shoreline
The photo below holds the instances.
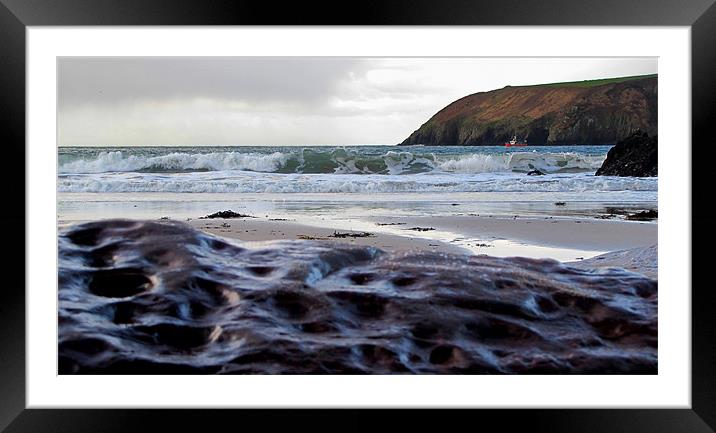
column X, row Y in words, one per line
column 570, row 240
column 463, row 224
column 567, row 240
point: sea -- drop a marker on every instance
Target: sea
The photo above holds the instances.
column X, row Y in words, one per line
column 186, row 181
column 342, row 169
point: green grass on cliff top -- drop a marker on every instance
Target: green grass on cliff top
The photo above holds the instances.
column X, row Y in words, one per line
column 593, row 83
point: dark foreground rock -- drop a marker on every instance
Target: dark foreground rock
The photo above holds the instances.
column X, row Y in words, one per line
column 634, row 156
column 148, row 297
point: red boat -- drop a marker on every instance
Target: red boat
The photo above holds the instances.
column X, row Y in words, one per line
column 516, row 143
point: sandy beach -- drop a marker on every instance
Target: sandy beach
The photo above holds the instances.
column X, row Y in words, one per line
column 256, row 230
column 564, row 239
column 458, row 223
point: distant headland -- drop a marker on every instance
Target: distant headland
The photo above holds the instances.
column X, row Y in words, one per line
column 600, row 111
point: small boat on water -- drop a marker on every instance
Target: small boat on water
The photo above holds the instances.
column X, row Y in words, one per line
column 516, row 143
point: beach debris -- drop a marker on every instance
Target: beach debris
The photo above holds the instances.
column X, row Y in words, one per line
column 535, row 172
column 278, row 219
column 455, row 204
column 421, row 229
column 226, row 214
column 351, row 235
column 225, row 225
column 390, row 224
column 483, row 245
column 164, row 218
column 617, row 211
column 560, row 203
column 308, row 238
column 646, row 215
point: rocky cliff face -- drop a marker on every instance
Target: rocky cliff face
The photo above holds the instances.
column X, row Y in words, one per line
column 588, row 112
column 636, row 155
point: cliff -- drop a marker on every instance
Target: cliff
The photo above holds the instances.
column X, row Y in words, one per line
column 583, row 112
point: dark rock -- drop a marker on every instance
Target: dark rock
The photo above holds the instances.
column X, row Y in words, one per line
column 226, row 214
column 636, row 155
column 646, row 215
column 351, row 235
column 535, row 172
column 560, row 203
column 200, row 305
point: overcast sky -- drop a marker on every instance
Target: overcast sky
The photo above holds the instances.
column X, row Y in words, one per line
column 286, row 100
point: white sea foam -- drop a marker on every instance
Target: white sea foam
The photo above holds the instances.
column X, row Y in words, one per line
column 247, row 182
column 522, row 162
column 477, row 163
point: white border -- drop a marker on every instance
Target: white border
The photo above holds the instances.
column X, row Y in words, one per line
column 670, row 388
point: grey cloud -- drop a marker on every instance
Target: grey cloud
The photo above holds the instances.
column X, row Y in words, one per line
column 97, row 80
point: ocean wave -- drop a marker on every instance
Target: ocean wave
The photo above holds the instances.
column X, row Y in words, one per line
column 119, row 161
column 335, row 161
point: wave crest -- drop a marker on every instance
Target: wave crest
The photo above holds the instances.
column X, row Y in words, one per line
column 335, row 161
column 118, row 161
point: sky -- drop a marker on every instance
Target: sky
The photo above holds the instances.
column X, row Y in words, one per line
column 192, row 101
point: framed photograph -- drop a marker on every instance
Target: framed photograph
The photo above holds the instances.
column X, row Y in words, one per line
column 483, row 207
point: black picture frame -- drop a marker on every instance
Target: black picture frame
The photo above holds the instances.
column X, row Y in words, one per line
column 16, row 15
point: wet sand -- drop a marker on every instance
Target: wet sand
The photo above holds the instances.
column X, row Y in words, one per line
column 565, row 239
column 569, row 239
column 257, row 230
column 574, row 233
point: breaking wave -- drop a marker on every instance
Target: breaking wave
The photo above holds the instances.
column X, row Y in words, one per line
column 119, row 161
column 334, row 161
